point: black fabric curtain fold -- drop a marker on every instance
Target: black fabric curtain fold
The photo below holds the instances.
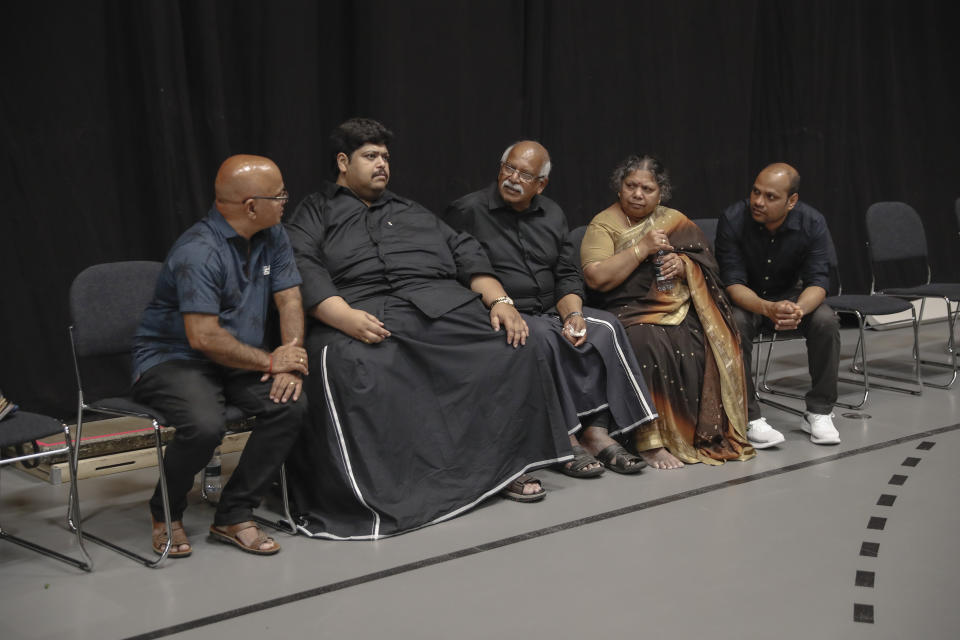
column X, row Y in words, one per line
column 115, row 116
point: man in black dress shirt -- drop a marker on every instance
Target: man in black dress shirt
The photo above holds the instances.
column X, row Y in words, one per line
column 773, row 255
column 525, row 235
column 423, row 407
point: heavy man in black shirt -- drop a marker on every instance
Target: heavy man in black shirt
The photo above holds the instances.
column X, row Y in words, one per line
column 525, row 235
column 424, row 408
column 773, row 255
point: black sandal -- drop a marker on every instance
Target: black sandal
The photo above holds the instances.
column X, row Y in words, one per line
column 577, row 468
column 514, row 490
column 618, row 459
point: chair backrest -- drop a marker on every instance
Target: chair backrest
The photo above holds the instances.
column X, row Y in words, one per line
column 709, row 228
column 576, row 237
column 897, row 245
column 106, row 302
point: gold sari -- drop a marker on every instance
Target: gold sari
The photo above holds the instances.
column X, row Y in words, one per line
column 678, row 350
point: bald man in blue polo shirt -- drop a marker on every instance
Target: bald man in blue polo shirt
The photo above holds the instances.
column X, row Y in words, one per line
column 201, row 345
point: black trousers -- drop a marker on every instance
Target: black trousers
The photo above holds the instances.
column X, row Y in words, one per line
column 822, row 331
column 192, row 396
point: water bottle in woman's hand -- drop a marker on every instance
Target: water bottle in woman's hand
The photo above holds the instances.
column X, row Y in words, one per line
column 663, row 283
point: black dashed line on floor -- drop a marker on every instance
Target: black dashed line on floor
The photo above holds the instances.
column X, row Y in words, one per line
column 863, row 613
column 865, row 578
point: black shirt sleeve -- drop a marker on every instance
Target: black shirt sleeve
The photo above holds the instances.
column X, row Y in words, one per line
column 306, row 232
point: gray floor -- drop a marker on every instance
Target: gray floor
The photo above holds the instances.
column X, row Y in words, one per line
column 770, row 548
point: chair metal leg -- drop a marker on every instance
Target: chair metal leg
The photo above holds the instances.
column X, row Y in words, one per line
column 286, row 524
column 85, row 564
column 166, row 514
column 952, row 365
column 764, row 386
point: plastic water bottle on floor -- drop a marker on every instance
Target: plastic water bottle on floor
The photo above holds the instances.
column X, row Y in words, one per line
column 663, row 283
column 212, row 484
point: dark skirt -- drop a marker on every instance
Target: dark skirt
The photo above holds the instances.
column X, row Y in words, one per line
column 602, row 373
column 680, row 371
column 421, row 427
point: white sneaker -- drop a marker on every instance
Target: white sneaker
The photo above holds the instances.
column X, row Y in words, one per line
column 820, row 427
column 761, row 435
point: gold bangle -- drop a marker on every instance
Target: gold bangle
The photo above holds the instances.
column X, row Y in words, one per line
column 636, row 252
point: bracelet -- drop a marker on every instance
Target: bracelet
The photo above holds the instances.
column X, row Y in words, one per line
column 636, row 252
column 270, row 366
column 504, row 299
column 570, row 315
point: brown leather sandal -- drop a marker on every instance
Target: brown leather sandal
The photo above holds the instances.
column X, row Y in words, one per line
column 514, row 490
column 230, row 535
column 179, row 538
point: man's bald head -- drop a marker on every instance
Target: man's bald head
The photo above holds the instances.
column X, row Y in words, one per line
column 243, row 176
column 532, row 150
column 250, row 193
column 783, row 171
column 774, row 194
column 524, row 172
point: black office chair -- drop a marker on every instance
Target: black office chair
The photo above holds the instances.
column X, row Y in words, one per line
column 20, row 429
column 106, row 302
column 709, row 228
column 859, row 306
column 900, row 267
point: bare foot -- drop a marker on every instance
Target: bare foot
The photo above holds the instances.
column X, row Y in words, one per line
column 660, row 458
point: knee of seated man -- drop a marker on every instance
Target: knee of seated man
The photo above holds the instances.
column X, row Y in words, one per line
column 823, row 319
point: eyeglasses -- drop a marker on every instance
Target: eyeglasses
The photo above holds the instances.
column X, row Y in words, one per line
column 284, row 196
column 510, row 170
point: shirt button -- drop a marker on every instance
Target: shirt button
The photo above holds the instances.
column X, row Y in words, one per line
column 769, row 260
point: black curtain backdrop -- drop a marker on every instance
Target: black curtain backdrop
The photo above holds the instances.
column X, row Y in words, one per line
column 116, row 115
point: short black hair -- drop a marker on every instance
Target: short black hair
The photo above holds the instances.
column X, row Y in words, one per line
column 643, row 162
column 353, row 134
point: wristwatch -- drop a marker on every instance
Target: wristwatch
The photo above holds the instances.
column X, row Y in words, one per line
column 504, row 299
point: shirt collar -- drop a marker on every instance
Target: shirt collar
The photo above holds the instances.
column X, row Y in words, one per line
column 495, row 201
column 792, row 222
column 220, row 224
column 332, row 189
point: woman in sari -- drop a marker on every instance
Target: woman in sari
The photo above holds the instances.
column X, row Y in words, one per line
column 683, row 336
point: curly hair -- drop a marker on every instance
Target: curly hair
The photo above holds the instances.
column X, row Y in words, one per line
column 644, row 162
column 353, row 134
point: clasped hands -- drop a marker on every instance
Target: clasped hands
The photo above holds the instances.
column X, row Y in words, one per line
column 784, row 314
column 671, row 265
column 288, row 363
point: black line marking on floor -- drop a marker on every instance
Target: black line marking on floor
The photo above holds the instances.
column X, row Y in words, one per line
column 886, row 500
column 910, row 462
column 865, row 578
column 897, row 479
column 865, row 550
column 877, row 523
column 926, row 445
column 863, row 613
